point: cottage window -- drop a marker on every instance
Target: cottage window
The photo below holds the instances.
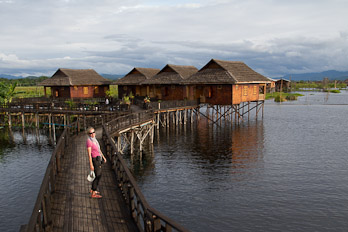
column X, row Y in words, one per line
column 262, row 90
column 245, row 90
column 96, row 89
column 85, row 90
column 255, row 90
column 75, row 88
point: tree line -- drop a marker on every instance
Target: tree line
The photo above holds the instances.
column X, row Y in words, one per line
column 27, row 81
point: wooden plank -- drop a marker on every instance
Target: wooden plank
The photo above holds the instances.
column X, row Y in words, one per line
column 72, row 207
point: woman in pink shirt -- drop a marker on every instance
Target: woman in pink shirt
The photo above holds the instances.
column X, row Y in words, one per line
column 96, row 158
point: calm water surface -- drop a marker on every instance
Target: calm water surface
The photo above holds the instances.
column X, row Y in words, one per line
column 23, row 162
column 287, row 172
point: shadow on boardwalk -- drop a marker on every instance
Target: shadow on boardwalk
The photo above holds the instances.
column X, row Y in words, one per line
column 73, row 209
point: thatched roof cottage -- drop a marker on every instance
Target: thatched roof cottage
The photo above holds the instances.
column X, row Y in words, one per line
column 226, row 82
column 167, row 84
column 76, row 83
column 131, row 81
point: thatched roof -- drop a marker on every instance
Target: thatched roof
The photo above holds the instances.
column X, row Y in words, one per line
column 75, row 77
column 172, row 74
column 137, row 75
column 226, row 72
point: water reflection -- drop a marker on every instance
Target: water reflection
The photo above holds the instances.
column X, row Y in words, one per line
column 23, row 161
column 214, row 150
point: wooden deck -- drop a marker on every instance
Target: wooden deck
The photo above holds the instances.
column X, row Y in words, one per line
column 72, row 207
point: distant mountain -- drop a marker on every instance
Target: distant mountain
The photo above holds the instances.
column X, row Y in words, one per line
column 331, row 74
column 9, row 76
column 112, row 76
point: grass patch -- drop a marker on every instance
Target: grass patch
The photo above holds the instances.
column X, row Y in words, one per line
column 333, row 91
column 31, row 91
column 281, row 97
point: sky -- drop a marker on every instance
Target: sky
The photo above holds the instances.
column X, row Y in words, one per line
column 273, row 37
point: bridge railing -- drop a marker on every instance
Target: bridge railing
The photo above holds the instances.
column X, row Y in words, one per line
column 156, row 105
column 128, row 120
column 41, row 219
column 146, row 218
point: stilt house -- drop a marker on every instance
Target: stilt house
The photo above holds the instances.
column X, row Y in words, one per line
column 76, row 83
column 130, row 83
column 167, row 84
column 226, row 83
column 282, row 85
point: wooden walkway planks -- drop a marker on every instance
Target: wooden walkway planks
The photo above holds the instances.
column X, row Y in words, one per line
column 73, row 209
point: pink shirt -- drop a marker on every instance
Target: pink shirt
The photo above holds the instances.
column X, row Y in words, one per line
column 95, row 148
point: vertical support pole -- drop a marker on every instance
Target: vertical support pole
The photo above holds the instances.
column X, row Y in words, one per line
column 64, row 120
column 23, row 121
column 9, row 120
column 54, row 129
column 167, row 114
column 263, row 106
column 132, row 142
column 37, row 120
column 248, row 110
column 176, row 118
column 185, row 116
column 158, row 120
column 152, row 134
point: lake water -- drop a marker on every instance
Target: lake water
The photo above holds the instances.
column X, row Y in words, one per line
column 287, row 172
column 23, row 162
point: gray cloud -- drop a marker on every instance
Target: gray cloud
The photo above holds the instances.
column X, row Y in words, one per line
column 273, row 37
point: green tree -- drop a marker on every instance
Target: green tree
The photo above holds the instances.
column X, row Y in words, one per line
column 7, row 92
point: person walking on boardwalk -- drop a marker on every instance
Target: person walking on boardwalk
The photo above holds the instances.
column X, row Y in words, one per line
column 96, row 159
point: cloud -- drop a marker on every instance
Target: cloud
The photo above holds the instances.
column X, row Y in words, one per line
column 273, row 37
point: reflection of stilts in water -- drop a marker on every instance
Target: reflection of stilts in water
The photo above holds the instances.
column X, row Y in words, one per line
column 10, row 133
column 37, row 135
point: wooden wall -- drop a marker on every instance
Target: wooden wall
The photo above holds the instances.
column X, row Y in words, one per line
column 79, row 91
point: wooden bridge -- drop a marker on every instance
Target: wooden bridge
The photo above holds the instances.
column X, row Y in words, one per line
column 64, row 202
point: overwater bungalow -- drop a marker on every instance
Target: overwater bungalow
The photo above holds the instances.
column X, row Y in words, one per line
column 167, row 84
column 76, row 83
column 130, row 83
column 282, row 85
column 226, row 83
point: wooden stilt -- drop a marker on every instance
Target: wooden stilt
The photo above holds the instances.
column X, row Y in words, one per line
column 54, row 130
column 9, row 120
column 23, row 120
column 132, row 142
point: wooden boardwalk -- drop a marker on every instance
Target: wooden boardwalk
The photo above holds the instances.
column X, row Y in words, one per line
column 72, row 207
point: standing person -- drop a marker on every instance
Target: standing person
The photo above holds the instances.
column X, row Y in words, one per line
column 96, row 158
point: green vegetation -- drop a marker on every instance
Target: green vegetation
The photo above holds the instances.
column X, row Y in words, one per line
column 70, row 103
column 281, row 97
column 7, row 92
column 112, row 92
column 333, row 91
column 316, row 85
column 28, row 81
column 31, row 91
